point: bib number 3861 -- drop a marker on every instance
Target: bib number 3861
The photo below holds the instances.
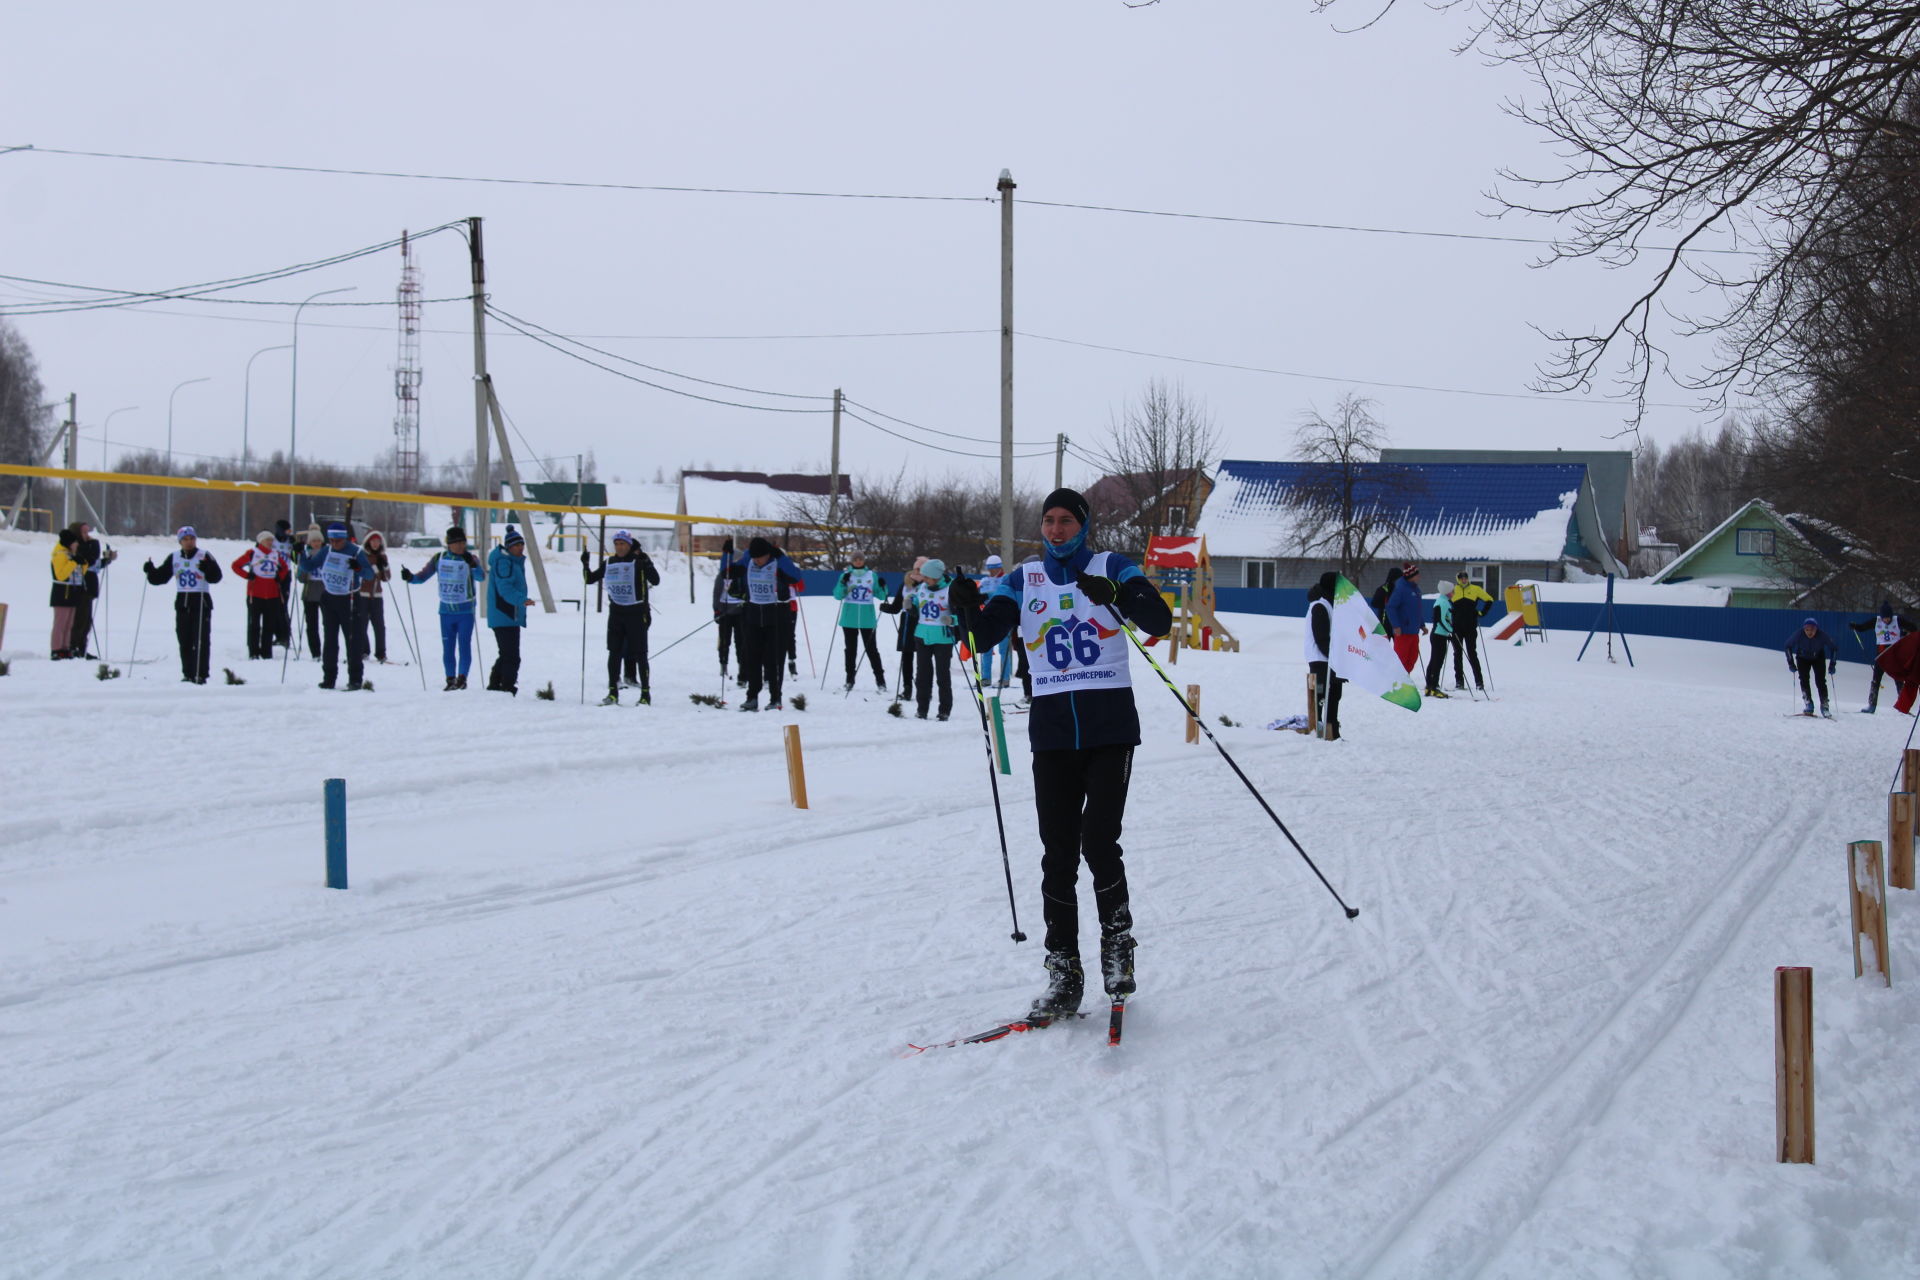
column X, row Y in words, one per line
column 1069, row 645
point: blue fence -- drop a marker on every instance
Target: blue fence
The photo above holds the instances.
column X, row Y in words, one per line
column 1755, row 628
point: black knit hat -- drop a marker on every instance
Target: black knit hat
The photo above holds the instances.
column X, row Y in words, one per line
column 1068, row 500
column 455, row 534
column 760, row 547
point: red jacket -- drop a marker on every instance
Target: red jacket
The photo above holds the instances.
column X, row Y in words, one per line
column 1902, row 660
column 262, row 588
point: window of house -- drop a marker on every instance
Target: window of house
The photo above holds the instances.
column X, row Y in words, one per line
column 1753, row 542
column 1177, row 518
column 1260, row 573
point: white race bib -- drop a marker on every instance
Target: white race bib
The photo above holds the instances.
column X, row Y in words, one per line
column 763, row 582
column 336, row 573
column 1886, row 631
column 859, row 586
column 455, row 574
column 623, row 581
column 1072, row 643
column 187, row 574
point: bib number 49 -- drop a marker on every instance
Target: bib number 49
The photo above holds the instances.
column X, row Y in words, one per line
column 1077, row 644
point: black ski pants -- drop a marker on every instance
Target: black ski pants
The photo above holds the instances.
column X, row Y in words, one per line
column 340, row 618
column 312, row 608
column 82, row 632
column 1080, row 798
column 1469, row 641
column 1814, row 670
column 763, row 650
column 263, row 625
column 935, row 664
column 852, row 636
column 908, row 643
column 505, row 675
column 627, row 626
column 193, row 628
column 374, row 610
column 728, row 625
column 1438, row 659
column 1329, row 694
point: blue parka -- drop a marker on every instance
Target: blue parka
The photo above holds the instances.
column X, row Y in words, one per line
column 1405, row 608
column 506, row 589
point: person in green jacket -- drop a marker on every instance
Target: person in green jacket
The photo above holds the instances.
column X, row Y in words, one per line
column 1443, row 637
column 933, row 636
column 859, row 591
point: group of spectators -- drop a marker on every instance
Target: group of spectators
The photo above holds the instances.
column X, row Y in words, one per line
column 1452, row 620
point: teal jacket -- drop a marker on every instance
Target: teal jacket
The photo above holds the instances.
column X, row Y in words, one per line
column 1443, row 616
column 507, row 592
column 925, row 632
column 860, row 615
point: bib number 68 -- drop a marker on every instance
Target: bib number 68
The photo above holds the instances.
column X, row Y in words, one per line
column 1067, row 646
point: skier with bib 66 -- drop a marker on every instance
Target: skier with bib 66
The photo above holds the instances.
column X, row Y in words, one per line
column 1066, row 605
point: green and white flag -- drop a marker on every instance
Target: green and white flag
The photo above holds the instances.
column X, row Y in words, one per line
column 1362, row 652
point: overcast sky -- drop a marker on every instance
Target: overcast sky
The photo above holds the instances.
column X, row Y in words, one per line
column 1241, row 107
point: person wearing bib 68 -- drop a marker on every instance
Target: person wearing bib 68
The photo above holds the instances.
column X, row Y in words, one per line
column 456, row 570
column 629, row 574
column 340, row 567
column 193, row 573
column 1066, row 606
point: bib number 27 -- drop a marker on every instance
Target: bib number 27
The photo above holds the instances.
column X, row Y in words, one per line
column 1067, row 646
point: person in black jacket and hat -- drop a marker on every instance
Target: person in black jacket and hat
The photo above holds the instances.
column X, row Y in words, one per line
column 762, row 581
column 193, row 573
column 1812, row 653
column 1067, row 605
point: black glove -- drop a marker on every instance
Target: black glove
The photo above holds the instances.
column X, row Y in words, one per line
column 1099, row 590
column 964, row 596
column 586, row 561
column 1791, row 666
column 149, row 566
column 406, row 574
column 1833, row 668
column 726, row 547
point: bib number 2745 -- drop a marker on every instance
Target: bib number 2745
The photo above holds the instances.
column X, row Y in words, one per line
column 1067, row 646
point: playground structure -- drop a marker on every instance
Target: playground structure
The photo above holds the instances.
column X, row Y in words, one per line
column 1182, row 571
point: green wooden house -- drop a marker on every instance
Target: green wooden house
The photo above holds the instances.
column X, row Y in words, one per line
column 1767, row 560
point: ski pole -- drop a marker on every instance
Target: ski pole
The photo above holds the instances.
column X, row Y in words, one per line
column 806, row 631
column 1352, row 912
column 138, row 614
column 412, row 627
column 690, row 635
column 993, row 780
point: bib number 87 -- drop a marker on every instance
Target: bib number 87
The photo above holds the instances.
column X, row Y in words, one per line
column 1067, row 646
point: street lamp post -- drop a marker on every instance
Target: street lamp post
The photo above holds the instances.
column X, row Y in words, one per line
column 106, row 490
column 170, row 395
column 293, row 412
column 246, row 413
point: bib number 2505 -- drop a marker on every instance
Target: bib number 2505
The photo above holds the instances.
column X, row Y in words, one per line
column 1079, row 644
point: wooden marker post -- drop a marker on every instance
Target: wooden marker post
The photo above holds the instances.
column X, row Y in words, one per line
column 1173, row 647
column 1193, row 721
column 1793, row 1064
column 796, row 768
column 1313, row 703
column 3, row 640
column 1869, row 897
column 1900, row 814
column 1909, row 759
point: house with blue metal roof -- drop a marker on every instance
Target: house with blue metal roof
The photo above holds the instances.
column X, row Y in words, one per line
column 1278, row 524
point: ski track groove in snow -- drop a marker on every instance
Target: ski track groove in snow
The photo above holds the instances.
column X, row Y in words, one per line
column 1456, row 1215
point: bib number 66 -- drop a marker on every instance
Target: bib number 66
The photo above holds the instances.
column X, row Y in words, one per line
column 1067, row 646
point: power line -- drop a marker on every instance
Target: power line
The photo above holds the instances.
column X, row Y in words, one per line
column 672, row 373
column 1290, row 223
column 512, row 182
column 994, row 440
column 1361, row 382
column 620, row 373
column 938, row 448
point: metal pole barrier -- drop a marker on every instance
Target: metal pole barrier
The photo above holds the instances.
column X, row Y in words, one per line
column 334, row 793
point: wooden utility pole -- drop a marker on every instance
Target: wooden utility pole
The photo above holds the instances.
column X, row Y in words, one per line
column 1793, row 1064
column 519, row 494
column 833, row 478
column 72, row 463
column 482, row 467
column 1005, row 188
column 1059, row 460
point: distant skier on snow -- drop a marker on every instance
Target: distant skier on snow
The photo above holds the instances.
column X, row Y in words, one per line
column 859, row 590
column 629, row 574
column 1888, row 628
column 1066, row 606
column 1813, row 655
column 456, row 570
column 1318, row 635
column 193, row 573
column 763, row 581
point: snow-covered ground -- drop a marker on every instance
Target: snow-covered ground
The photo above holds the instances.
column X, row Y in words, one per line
column 600, row 1003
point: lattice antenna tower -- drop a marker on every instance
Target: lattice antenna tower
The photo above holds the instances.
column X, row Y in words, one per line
column 406, row 375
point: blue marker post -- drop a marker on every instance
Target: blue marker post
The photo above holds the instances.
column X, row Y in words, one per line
column 335, row 792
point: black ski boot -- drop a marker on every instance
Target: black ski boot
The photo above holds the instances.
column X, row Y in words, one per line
column 1116, row 963
column 612, row 699
column 453, row 682
column 751, row 704
column 1065, row 985
column 646, row 697
column 460, row 682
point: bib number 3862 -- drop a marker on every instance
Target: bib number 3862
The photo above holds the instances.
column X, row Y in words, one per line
column 1069, row 645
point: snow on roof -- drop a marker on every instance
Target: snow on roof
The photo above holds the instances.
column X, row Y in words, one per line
column 1453, row 511
column 735, row 499
column 643, row 497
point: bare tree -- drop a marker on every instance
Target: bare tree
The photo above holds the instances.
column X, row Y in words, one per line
column 23, row 421
column 1348, row 507
column 893, row 520
column 1155, row 458
column 1695, row 128
column 1688, row 488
